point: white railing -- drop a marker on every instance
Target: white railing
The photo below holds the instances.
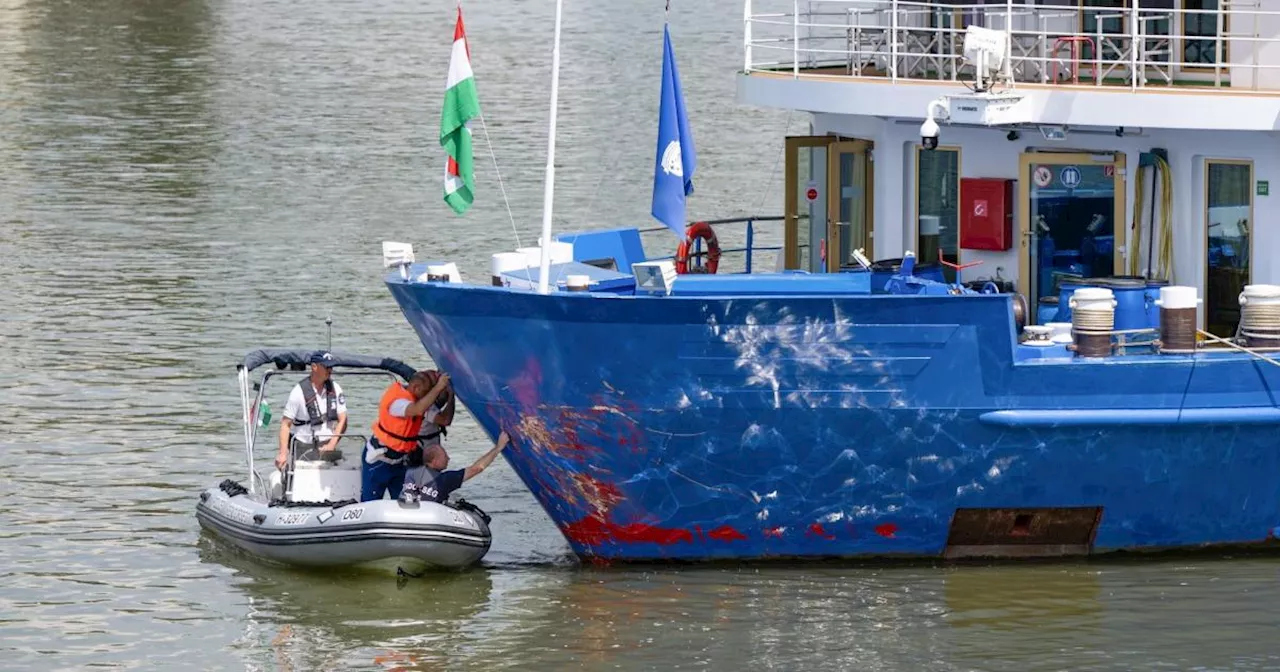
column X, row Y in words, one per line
column 1238, row 46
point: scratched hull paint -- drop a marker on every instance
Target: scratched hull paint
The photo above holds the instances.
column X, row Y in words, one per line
column 702, row 428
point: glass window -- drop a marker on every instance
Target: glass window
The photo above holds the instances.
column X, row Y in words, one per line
column 853, row 206
column 813, row 214
column 1112, row 25
column 1072, row 225
column 1228, row 210
column 1201, row 20
column 937, row 214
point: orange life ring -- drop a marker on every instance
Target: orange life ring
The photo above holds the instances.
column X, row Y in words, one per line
column 704, row 231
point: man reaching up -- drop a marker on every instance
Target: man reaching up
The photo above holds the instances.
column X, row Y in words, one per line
column 432, row 483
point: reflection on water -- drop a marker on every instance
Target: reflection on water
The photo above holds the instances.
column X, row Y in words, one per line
column 184, row 181
column 1102, row 615
column 1044, row 597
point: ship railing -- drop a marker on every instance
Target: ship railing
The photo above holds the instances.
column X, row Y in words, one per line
column 1233, row 45
column 736, row 235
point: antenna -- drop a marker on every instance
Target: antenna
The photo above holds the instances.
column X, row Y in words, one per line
column 328, row 322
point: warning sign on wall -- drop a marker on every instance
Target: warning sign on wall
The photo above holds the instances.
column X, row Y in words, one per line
column 1042, row 176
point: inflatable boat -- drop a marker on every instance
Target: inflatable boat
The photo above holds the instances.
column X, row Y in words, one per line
column 309, row 514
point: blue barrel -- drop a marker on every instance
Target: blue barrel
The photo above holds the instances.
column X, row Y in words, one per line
column 1066, row 288
column 1047, row 311
column 1152, row 294
column 1131, row 301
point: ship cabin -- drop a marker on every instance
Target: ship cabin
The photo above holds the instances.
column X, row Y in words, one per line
column 1088, row 139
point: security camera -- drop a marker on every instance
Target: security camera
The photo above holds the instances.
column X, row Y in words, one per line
column 929, row 133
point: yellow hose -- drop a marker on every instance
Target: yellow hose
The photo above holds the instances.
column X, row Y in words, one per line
column 1162, row 265
column 1139, row 189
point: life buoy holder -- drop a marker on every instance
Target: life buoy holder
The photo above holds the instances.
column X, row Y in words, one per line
column 704, row 231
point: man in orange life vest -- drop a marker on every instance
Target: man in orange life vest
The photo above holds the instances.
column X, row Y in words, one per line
column 401, row 412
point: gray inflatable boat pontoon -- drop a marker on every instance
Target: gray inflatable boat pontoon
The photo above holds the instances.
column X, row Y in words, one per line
column 319, row 520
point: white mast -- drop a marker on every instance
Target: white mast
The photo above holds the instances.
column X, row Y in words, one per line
column 548, row 191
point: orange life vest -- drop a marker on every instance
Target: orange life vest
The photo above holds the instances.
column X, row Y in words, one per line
column 393, row 432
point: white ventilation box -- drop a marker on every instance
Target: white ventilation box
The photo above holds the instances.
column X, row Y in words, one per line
column 989, row 109
column 654, row 277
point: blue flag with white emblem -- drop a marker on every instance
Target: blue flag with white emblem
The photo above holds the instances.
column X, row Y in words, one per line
column 676, row 159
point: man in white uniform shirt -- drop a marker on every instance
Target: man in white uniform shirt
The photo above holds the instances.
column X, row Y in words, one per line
column 315, row 416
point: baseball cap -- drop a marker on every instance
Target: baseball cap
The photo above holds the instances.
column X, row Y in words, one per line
column 322, row 358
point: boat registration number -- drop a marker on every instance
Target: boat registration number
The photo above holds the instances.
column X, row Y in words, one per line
column 292, row 518
column 352, row 514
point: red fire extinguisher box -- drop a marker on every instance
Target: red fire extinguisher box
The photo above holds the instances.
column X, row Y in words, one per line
column 986, row 213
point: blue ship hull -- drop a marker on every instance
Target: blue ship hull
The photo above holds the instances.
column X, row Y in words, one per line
column 850, row 426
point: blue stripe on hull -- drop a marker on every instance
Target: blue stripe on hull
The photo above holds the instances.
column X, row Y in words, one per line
column 703, row 428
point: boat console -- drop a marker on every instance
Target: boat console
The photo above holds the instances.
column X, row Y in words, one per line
column 319, row 480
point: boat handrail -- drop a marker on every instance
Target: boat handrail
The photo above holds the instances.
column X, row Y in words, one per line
column 257, row 477
column 252, row 393
column 261, row 388
column 748, row 249
column 357, row 435
column 1136, row 46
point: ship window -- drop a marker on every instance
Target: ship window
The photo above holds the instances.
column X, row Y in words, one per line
column 1157, row 17
column 937, row 213
column 1090, row 10
column 1111, row 25
column 1202, row 19
column 1228, row 241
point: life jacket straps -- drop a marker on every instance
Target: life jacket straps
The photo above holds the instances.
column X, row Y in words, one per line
column 313, row 410
column 406, row 439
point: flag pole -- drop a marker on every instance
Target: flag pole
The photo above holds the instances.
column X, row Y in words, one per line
column 548, row 191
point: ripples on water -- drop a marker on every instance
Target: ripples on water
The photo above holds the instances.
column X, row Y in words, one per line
column 184, row 180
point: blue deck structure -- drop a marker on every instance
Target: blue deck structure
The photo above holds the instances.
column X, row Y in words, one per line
column 784, row 415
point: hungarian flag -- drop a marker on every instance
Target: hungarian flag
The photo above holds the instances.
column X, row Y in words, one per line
column 461, row 105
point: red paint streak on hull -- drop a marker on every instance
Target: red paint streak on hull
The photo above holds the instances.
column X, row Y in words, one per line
column 601, row 495
column 886, row 530
column 817, row 530
column 775, row 532
column 593, row 531
column 726, row 533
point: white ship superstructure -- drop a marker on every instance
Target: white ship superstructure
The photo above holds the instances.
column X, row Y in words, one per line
column 1107, row 138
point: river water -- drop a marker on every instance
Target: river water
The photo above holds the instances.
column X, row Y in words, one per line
column 182, row 181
